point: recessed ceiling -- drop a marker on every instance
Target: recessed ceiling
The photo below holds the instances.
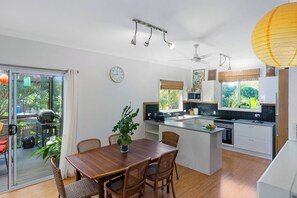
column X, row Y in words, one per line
column 106, row 27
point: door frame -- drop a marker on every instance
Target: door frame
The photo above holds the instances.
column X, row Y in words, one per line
column 12, row 119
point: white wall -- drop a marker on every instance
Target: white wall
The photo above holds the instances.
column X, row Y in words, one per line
column 292, row 102
column 100, row 100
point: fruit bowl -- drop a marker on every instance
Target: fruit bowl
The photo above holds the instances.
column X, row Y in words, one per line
column 210, row 126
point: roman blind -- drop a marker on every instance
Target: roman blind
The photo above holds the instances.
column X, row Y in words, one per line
column 169, row 84
column 249, row 74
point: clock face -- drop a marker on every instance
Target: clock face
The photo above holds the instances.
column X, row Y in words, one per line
column 117, row 74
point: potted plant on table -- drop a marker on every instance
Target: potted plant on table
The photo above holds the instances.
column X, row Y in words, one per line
column 126, row 127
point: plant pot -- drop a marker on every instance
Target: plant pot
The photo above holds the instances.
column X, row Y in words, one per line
column 124, row 148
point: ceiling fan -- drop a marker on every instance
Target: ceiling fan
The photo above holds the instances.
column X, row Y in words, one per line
column 196, row 57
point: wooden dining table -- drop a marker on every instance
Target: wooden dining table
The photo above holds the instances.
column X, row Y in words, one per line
column 101, row 164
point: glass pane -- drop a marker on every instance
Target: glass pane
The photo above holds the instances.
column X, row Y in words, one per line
column 3, row 130
column 249, row 95
column 35, row 92
column 163, row 99
column 230, row 94
column 174, row 99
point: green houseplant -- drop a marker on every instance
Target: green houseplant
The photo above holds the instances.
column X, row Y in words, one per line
column 52, row 149
column 126, row 127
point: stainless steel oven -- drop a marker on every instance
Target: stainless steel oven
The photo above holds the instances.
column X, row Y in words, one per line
column 227, row 136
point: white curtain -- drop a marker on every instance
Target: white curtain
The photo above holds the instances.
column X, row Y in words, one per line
column 70, row 121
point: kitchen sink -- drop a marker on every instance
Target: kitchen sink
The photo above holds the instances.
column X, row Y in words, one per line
column 184, row 117
column 257, row 121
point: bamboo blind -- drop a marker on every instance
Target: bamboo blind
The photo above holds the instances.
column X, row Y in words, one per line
column 250, row 74
column 168, row 84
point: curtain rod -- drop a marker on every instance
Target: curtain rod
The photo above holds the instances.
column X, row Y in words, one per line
column 30, row 67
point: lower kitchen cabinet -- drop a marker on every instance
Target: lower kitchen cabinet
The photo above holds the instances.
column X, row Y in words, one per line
column 254, row 139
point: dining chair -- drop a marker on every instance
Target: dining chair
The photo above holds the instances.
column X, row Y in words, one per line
column 131, row 183
column 3, row 141
column 171, row 139
column 113, row 139
column 3, row 150
column 79, row 189
column 162, row 171
column 88, row 144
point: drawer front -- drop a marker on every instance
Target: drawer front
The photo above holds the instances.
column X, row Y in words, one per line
column 253, row 131
column 253, row 144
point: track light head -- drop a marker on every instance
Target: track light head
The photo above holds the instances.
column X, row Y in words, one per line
column 147, row 42
column 170, row 45
column 133, row 41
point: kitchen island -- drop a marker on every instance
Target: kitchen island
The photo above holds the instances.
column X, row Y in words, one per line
column 199, row 148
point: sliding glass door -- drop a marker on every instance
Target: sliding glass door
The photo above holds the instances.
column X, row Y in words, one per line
column 32, row 113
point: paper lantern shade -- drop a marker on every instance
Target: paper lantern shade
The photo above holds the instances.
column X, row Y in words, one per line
column 4, row 79
column 274, row 38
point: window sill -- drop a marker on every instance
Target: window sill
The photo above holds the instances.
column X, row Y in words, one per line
column 238, row 109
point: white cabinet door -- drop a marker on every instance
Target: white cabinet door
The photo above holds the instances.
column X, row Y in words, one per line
column 209, row 91
column 253, row 138
column 268, row 88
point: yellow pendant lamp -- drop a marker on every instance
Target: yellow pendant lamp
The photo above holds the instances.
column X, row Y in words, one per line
column 274, row 38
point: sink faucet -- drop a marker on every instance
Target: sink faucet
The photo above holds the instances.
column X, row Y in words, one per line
column 176, row 115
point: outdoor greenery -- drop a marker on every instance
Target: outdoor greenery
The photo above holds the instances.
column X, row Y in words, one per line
column 169, row 99
column 35, row 95
column 240, row 94
column 52, row 149
column 126, row 126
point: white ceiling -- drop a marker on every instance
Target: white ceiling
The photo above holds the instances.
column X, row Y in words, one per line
column 106, row 26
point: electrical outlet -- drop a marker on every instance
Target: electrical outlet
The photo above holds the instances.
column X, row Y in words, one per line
column 257, row 115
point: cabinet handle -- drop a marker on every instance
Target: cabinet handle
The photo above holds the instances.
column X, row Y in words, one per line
column 251, row 140
column 251, row 126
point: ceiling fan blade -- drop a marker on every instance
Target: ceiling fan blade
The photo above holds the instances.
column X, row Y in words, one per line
column 202, row 61
column 182, row 59
column 205, row 56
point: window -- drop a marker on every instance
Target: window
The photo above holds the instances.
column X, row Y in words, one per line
column 169, row 100
column 240, row 94
column 170, row 96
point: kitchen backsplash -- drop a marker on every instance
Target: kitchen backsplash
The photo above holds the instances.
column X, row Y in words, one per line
column 267, row 114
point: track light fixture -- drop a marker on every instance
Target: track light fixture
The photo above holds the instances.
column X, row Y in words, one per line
column 223, row 59
column 170, row 45
column 146, row 43
column 133, row 41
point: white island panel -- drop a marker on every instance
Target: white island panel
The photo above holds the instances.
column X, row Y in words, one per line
column 197, row 150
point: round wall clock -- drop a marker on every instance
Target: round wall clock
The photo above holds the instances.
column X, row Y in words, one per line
column 117, row 74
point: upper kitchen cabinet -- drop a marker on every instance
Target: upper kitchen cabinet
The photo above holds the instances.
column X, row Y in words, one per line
column 209, row 91
column 268, row 88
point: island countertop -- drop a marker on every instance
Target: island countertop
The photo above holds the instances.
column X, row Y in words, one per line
column 184, row 124
column 190, row 126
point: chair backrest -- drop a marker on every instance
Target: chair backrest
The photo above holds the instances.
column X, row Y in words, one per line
column 170, row 138
column 113, row 139
column 135, row 177
column 166, row 165
column 88, row 144
column 58, row 177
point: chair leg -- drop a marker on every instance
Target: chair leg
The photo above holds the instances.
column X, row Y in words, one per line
column 172, row 188
column 167, row 185
column 156, row 193
column 176, row 171
column 6, row 160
